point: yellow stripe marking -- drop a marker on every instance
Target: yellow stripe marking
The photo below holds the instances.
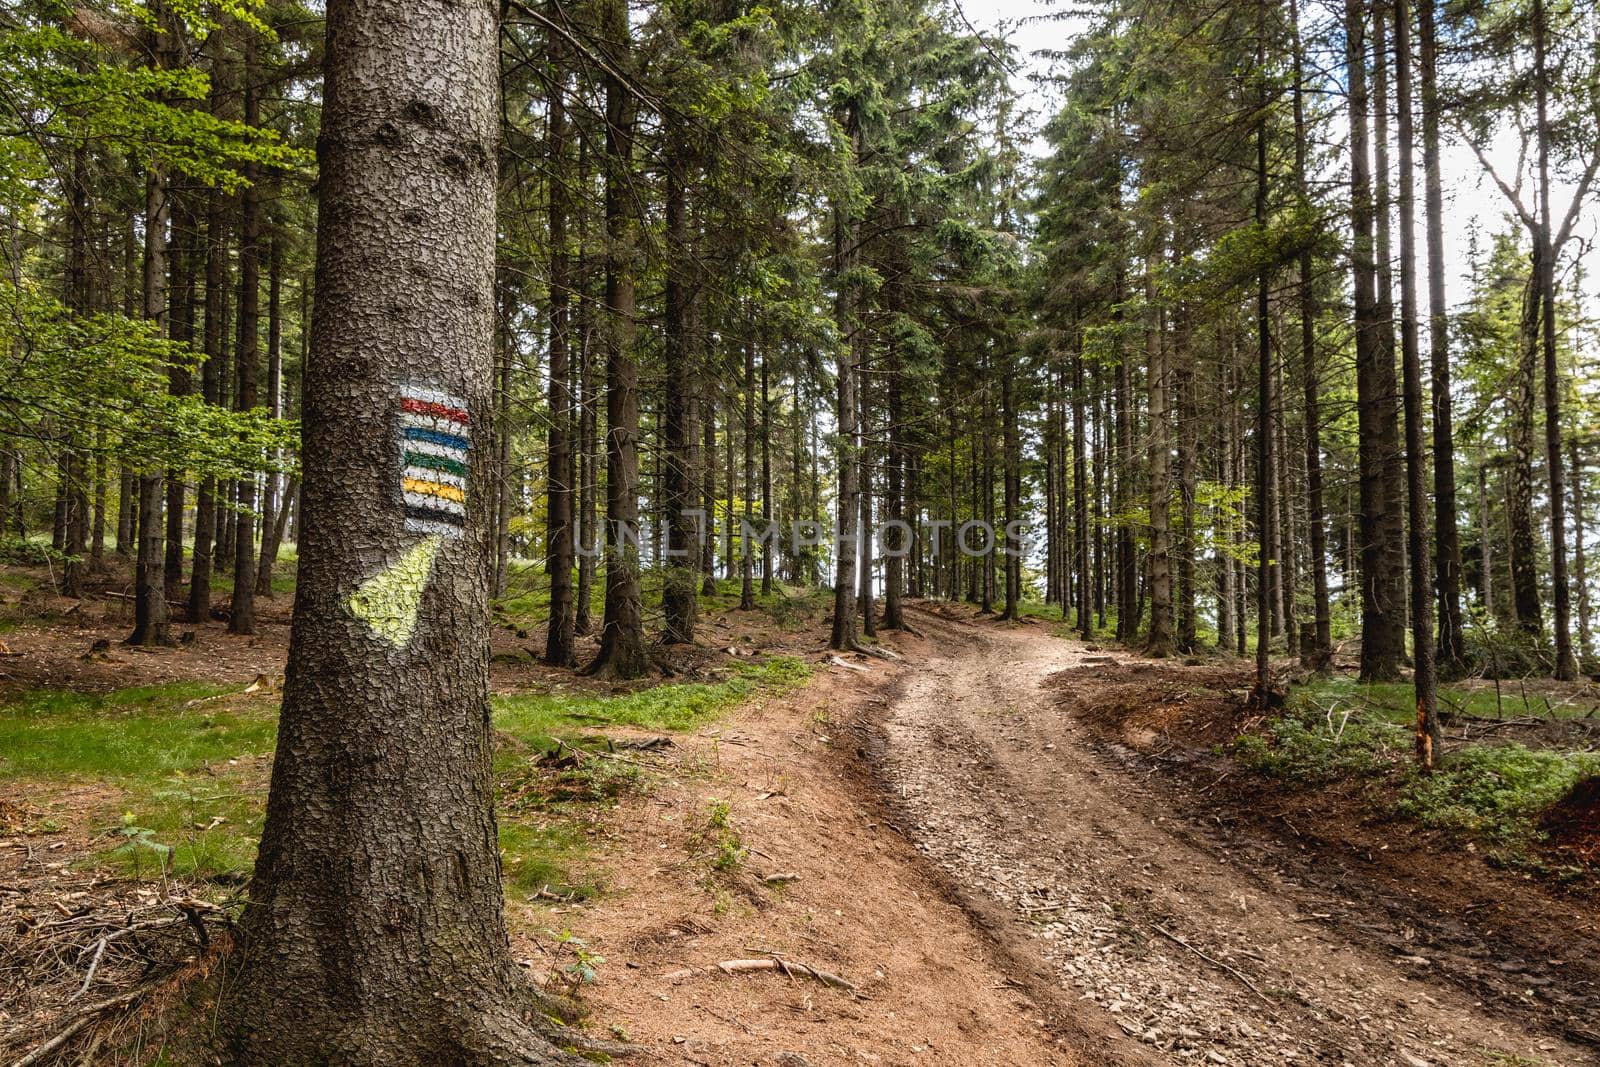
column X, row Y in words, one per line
column 444, row 492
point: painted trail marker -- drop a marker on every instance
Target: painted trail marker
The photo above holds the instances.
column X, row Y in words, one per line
column 435, row 439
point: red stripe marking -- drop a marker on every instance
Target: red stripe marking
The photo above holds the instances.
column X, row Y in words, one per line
column 438, row 411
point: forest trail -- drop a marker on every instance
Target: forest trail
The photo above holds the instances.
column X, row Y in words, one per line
column 1078, row 866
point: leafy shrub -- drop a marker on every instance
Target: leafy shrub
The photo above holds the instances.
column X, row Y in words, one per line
column 1300, row 747
column 1494, row 790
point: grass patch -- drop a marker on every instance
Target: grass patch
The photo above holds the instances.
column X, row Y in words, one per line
column 131, row 735
column 535, row 718
column 1396, row 701
column 541, row 855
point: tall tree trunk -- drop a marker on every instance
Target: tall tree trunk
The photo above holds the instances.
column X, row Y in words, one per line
column 1452, row 655
column 1264, row 449
column 1159, row 641
column 271, row 528
column 1080, row 496
column 242, row 609
column 1320, row 655
column 1580, row 569
column 205, row 518
column 851, row 346
column 766, row 482
column 1429, row 737
column 1382, row 623
column 560, row 648
column 1561, row 594
column 588, row 417
column 1012, row 445
column 747, row 589
column 622, row 652
column 185, row 224
column 151, row 625
column 683, row 551
column 397, row 849
column 1182, row 369
column 1523, row 559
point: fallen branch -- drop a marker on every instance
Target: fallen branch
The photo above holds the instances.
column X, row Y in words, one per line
column 1175, row 939
column 775, row 963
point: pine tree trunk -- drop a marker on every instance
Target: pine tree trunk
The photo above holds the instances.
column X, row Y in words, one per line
column 766, row 482
column 622, row 653
column 271, row 528
column 1429, row 737
column 242, row 608
column 1080, row 496
column 682, row 574
column 1264, row 450
column 1452, row 655
column 1561, row 595
column 205, row 517
column 560, row 640
column 185, row 223
column 379, row 858
column 851, row 346
column 1382, row 625
column 1011, row 442
column 1158, row 643
column 1319, row 656
column 1580, row 569
column 150, row 617
column 747, row 589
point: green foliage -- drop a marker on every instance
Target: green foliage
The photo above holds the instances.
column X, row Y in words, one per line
column 535, row 716
column 1305, row 748
column 1496, row 792
column 131, row 736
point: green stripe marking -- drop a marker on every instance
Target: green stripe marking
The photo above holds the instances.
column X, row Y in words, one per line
column 438, row 463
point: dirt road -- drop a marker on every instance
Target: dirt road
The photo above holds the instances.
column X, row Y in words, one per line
column 1141, row 914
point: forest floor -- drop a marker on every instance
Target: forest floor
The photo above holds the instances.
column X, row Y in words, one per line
column 1003, row 846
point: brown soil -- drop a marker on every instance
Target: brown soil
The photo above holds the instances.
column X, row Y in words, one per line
column 853, row 900
column 1574, row 823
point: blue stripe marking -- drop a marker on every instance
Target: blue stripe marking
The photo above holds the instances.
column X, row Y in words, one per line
column 447, row 440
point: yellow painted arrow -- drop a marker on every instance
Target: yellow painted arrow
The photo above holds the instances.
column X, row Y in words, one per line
column 388, row 601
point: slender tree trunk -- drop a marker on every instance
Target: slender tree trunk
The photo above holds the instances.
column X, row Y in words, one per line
column 560, row 641
column 747, row 590
column 1580, row 569
column 205, row 517
column 846, row 450
column 1013, row 492
column 1319, row 656
column 185, row 224
column 1159, row 641
column 622, row 652
column 1264, row 450
column 683, row 574
column 1561, row 598
column 1429, row 737
column 588, row 416
column 1452, row 654
column 1087, row 583
column 766, row 482
column 1382, row 625
column 242, row 609
column 271, row 528
column 150, row 616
